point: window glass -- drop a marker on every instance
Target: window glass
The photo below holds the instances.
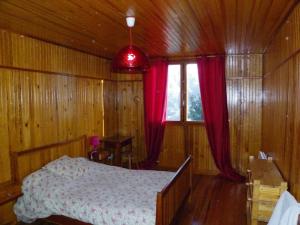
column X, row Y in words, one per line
column 174, row 93
column 193, row 99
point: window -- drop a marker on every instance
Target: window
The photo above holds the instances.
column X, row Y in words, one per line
column 183, row 93
column 173, row 93
column 193, row 99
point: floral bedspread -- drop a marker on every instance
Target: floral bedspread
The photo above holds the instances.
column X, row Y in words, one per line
column 91, row 192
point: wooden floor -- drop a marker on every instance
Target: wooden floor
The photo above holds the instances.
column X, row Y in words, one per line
column 215, row 201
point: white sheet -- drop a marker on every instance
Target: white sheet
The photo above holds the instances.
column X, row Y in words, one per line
column 286, row 211
column 103, row 195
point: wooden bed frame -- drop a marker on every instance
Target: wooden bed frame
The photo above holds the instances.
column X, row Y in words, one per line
column 173, row 196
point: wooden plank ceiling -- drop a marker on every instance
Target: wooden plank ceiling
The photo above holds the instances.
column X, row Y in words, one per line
column 163, row 27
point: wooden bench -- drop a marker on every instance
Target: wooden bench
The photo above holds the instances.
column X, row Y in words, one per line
column 265, row 185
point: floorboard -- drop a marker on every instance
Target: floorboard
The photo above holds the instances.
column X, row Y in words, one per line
column 215, row 201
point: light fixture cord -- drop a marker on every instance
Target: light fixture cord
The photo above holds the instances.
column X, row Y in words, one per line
column 130, row 37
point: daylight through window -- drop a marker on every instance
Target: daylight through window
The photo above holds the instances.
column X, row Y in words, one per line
column 183, row 93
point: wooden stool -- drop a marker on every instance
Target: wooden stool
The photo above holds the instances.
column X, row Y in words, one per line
column 128, row 155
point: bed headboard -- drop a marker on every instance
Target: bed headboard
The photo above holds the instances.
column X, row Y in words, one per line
column 27, row 161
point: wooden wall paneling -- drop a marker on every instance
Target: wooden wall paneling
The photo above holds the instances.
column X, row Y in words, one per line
column 110, row 108
column 290, row 72
column 98, row 106
column 278, row 117
column 5, row 48
column 65, row 92
column 198, row 146
column 294, row 180
column 280, row 105
column 82, row 108
column 140, row 132
column 42, row 109
column 4, row 123
column 234, row 110
column 244, row 99
column 89, row 108
column 45, row 95
column 244, row 66
column 29, row 53
column 130, row 106
column 173, row 150
column 251, row 113
column 19, row 110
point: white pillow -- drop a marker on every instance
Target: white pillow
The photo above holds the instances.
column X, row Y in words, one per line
column 67, row 167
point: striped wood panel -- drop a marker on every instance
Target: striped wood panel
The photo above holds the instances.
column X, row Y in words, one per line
column 281, row 100
column 45, row 96
column 18, row 51
column 41, row 109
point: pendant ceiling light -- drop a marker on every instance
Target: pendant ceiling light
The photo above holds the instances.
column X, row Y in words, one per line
column 130, row 59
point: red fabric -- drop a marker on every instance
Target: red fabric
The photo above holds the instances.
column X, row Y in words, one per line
column 155, row 90
column 214, row 102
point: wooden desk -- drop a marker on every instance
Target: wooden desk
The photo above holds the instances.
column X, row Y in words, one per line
column 117, row 142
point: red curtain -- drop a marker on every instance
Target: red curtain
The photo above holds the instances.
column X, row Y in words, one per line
column 214, row 102
column 155, row 101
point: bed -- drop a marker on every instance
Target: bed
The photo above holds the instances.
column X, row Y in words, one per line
column 167, row 192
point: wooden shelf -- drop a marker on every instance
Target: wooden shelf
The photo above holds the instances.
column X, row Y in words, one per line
column 9, row 192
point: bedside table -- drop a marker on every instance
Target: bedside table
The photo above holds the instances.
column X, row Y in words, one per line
column 9, row 193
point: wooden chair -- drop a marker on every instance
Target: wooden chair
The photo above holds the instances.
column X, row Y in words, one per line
column 99, row 155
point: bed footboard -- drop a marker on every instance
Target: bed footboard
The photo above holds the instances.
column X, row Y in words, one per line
column 174, row 194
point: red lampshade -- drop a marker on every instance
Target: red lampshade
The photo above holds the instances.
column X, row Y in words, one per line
column 94, row 141
column 130, row 59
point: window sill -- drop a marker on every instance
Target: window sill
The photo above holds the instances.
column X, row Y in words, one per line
column 181, row 123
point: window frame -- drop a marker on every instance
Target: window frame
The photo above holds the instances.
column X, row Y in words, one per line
column 183, row 93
